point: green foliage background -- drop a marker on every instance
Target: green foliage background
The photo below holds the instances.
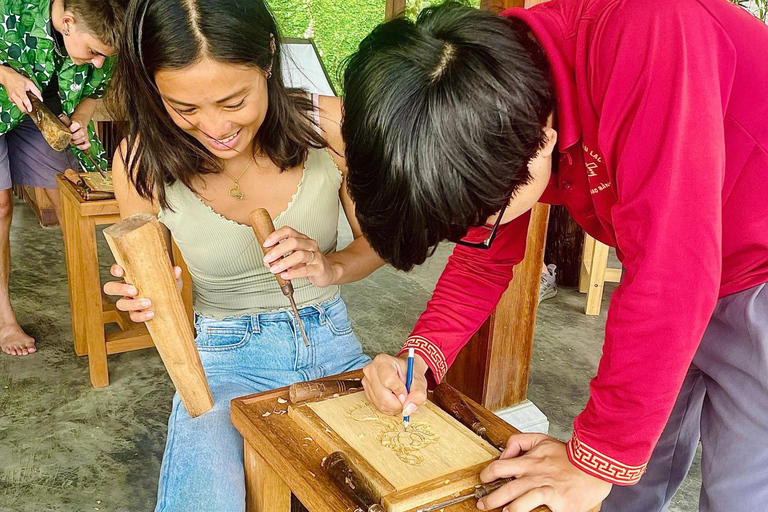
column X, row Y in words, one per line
column 337, row 26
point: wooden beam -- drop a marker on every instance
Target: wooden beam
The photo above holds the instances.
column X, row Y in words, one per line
column 394, row 8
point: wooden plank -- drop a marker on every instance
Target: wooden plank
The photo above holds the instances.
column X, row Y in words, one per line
column 612, row 275
column 434, row 459
column 265, row 490
column 125, row 341
column 586, row 263
column 596, row 279
column 138, row 246
column 493, row 368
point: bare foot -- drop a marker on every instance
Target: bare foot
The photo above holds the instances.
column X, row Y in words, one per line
column 15, row 342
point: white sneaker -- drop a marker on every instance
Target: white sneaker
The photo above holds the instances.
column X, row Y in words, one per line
column 548, row 287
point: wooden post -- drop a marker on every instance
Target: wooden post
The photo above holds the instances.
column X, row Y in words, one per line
column 394, row 8
column 138, row 246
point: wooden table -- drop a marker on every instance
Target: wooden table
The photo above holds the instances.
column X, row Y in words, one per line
column 280, row 460
column 91, row 310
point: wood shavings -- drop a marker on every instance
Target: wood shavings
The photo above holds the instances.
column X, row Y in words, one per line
column 308, row 439
column 266, row 414
column 282, row 401
column 313, row 475
column 447, row 482
column 335, row 395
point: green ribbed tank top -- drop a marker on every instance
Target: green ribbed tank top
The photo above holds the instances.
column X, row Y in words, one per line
column 229, row 277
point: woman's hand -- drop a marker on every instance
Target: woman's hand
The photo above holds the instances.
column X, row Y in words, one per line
column 16, row 86
column 138, row 307
column 384, row 383
column 294, row 255
column 79, row 130
column 543, row 476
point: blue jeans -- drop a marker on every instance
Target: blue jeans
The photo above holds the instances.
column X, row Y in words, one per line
column 202, row 466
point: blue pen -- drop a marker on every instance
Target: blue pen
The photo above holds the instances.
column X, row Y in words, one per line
column 408, row 381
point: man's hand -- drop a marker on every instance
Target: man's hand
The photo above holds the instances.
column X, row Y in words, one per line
column 384, row 383
column 543, row 476
column 79, row 129
column 16, row 86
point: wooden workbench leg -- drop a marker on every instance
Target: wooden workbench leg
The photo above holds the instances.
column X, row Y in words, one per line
column 265, row 491
column 85, row 292
column 586, row 263
column 596, row 278
column 74, row 266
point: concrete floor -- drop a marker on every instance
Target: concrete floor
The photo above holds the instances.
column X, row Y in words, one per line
column 65, row 446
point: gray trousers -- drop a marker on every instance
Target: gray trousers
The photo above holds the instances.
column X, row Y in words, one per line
column 26, row 159
column 723, row 403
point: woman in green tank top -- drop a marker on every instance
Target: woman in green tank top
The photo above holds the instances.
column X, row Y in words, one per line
column 212, row 135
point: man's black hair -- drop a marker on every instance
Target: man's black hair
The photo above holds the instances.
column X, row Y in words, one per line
column 441, row 117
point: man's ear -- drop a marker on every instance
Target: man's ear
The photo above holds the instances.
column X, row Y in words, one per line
column 551, row 140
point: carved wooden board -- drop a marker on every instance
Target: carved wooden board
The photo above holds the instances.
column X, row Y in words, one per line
column 436, row 457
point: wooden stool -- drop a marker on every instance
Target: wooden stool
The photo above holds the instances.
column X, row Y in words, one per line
column 595, row 273
column 281, row 459
column 37, row 199
column 91, row 309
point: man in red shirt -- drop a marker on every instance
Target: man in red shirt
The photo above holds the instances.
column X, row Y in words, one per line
column 649, row 122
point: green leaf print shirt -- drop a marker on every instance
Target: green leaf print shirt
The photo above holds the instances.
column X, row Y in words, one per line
column 26, row 46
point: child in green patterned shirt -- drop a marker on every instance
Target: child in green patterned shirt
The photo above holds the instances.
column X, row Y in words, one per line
column 62, row 52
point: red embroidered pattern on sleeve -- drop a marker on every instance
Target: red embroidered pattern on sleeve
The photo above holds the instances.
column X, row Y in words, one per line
column 431, row 353
column 601, row 466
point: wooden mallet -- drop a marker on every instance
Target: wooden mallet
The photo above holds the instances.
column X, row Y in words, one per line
column 55, row 133
column 138, row 246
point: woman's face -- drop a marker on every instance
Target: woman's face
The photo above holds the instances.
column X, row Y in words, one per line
column 221, row 105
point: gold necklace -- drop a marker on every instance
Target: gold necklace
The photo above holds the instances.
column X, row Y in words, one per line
column 235, row 190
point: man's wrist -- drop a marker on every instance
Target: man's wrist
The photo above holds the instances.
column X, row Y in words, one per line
column 5, row 72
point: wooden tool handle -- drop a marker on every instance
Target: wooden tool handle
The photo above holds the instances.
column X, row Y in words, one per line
column 262, row 226
column 303, row 391
column 449, row 400
column 138, row 246
column 55, row 133
column 349, row 480
column 75, row 178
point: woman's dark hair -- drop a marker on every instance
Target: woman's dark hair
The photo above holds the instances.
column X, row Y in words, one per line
column 173, row 34
column 441, row 118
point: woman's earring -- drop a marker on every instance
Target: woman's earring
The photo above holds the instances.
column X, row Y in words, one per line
column 66, row 32
column 269, row 72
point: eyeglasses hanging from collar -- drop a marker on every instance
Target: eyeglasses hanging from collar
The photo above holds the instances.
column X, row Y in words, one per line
column 486, row 243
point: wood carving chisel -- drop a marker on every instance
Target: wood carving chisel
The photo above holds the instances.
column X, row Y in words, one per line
column 351, row 482
column 303, row 391
column 449, row 400
column 262, row 226
column 479, row 492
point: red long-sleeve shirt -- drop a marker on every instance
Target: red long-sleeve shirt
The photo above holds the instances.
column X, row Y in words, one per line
column 662, row 124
